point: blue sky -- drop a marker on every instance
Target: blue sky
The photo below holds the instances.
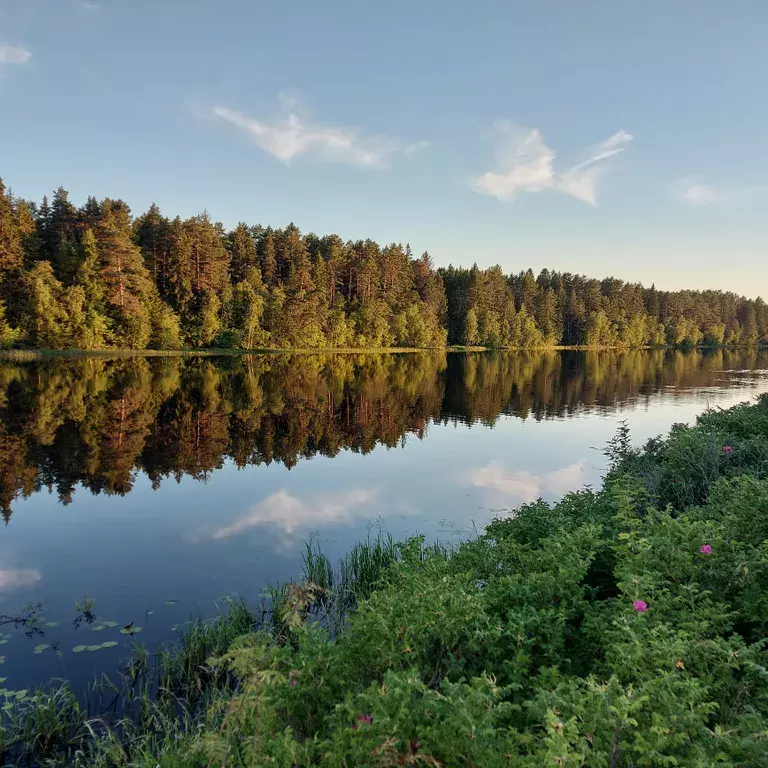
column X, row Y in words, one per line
column 596, row 137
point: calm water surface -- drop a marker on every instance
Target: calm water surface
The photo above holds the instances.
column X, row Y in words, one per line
column 158, row 485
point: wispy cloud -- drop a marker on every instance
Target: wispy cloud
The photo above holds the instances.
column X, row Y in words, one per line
column 290, row 135
column 291, row 513
column 17, row 579
column 702, row 194
column 13, row 54
column 417, row 146
column 524, row 486
column 87, row 5
column 526, row 164
column 694, row 191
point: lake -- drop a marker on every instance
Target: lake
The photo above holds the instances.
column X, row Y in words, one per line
column 157, row 485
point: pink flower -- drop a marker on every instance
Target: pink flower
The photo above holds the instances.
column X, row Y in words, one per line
column 640, row 605
column 362, row 719
column 727, row 449
column 706, row 549
column 293, row 682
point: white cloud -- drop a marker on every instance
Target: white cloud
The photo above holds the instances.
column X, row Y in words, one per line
column 291, row 136
column 17, row 579
column 12, row 54
column 527, row 164
column 417, row 146
column 291, row 513
column 87, row 5
column 524, row 486
column 694, row 191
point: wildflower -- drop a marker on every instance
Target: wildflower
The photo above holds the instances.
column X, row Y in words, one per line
column 366, row 719
column 727, row 449
column 640, row 605
column 415, row 745
column 706, row 549
column 293, row 682
column 680, row 664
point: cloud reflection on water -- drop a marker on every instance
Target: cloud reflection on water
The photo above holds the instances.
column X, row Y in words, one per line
column 291, row 513
column 524, row 486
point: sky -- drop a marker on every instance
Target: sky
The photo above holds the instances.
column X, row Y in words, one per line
column 604, row 138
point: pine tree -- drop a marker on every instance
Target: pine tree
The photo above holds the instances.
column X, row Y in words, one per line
column 268, row 258
column 124, row 277
column 242, row 252
column 152, row 233
column 11, row 252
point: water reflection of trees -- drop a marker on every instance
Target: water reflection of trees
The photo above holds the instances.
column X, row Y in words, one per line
column 98, row 421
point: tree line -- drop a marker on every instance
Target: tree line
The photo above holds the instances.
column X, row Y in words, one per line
column 98, row 422
column 96, row 277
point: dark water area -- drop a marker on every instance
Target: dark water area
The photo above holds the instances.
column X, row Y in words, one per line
column 159, row 485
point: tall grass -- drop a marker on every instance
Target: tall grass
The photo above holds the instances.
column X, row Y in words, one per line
column 159, row 699
column 156, row 698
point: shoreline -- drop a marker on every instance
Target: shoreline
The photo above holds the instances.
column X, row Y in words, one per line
column 38, row 354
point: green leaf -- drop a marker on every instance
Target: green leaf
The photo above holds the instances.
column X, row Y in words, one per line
column 109, row 644
column 2, row 680
column 41, row 648
column 110, row 624
column 79, row 648
column 171, row 602
column 99, row 628
column 130, row 630
column 93, row 648
column 51, row 624
column 2, row 659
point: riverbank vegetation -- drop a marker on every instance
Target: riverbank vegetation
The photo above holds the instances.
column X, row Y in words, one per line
column 96, row 277
column 619, row 627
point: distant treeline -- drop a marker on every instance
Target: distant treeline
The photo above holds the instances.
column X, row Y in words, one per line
column 95, row 277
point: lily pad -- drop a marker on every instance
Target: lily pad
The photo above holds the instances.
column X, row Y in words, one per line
column 2, row 680
column 51, row 624
column 171, row 602
column 149, row 613
column 110, row 624
column 99, row 628
column 109, row 644
column 93, row 648
column 3, row 641
column 2, row 659
column 41, row 648
column 79, row 648
column 130, row 630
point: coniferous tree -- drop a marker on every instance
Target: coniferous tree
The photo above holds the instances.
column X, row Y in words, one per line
column 125, row 279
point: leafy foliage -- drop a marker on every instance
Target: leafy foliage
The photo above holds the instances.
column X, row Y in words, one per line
column 95, row 277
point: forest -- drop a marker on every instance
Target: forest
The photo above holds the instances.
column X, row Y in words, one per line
column 97, row 277
column 96, row 423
